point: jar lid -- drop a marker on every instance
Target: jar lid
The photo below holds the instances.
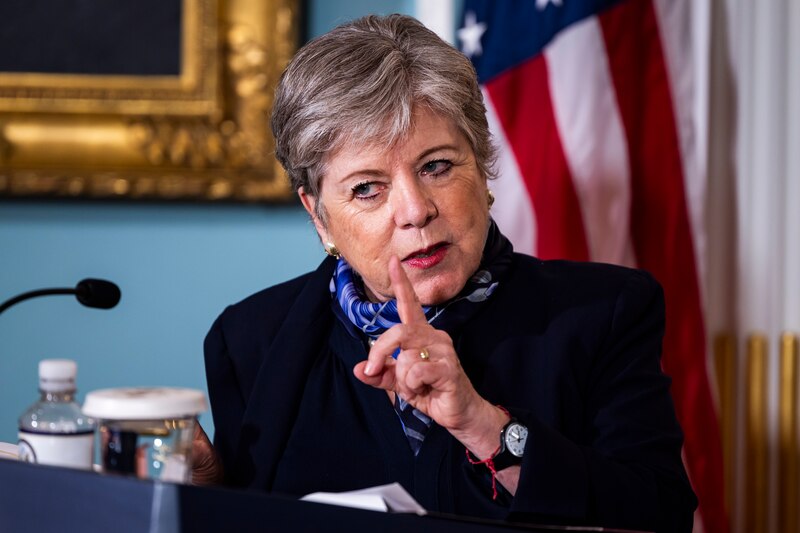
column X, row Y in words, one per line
column 144, row 403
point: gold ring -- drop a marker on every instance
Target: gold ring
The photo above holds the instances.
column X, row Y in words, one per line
column 424, row 355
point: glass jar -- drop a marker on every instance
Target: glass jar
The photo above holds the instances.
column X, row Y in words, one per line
column 146, row 432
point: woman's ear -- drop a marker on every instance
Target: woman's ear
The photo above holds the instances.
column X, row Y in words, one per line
column 310, row 204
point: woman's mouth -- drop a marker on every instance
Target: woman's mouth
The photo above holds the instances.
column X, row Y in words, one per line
column 428, row 257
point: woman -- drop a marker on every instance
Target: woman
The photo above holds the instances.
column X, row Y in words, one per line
column 423, row 350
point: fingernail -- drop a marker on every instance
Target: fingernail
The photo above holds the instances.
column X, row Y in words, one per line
column 369, row 369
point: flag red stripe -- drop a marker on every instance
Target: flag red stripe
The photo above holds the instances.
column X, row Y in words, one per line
column 522, row 100
column 591, row 130
column 662, row 237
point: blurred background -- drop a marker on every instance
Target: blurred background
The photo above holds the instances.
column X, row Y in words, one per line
column 735, row 86
column 178, row 265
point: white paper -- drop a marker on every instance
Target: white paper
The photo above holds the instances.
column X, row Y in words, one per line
column 8, row 450
column 370, row 502
column 392, row 497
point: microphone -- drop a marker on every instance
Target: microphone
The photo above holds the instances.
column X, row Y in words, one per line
column 97, row 293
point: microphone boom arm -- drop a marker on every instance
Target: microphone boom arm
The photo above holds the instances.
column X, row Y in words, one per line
column 33, row 294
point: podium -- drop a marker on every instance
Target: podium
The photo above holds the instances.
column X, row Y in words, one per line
column 35, row 498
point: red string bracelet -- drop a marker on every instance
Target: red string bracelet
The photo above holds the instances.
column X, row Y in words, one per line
column 489, row 461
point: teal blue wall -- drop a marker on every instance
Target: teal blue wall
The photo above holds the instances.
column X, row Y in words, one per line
column 325, row 14
column 178, row 267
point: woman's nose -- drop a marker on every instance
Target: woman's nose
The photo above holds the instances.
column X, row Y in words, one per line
column 413, row 203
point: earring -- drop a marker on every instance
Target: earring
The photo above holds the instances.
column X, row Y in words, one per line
column 332, row 250
column 490, row 197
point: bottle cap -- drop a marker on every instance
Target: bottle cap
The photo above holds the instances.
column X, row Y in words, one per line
column 144, row 403
column 57, row 375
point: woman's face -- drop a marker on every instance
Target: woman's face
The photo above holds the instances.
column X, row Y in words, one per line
column 423, row 200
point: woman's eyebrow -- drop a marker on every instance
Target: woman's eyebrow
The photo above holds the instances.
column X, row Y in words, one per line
column 375, row 172
column 367, row 172
column 425, row 153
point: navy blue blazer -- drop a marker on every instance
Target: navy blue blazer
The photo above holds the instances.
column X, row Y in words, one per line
column 571, row 349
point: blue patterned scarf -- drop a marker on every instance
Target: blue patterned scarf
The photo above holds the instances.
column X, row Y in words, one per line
column 372, row 319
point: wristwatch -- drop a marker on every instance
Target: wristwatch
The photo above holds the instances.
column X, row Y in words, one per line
column 512, row 445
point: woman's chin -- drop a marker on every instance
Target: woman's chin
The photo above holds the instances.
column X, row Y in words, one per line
column 443, row 282
column 435, row 292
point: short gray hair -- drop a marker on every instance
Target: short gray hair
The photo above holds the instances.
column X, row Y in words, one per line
column 358, row 84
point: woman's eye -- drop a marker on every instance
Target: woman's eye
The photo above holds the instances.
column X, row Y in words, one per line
column 368, row 189
column 436, row 168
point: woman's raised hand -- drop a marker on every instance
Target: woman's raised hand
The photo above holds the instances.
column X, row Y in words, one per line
column 436, row 384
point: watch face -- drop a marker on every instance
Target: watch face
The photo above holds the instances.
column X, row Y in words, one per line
column 515, row 437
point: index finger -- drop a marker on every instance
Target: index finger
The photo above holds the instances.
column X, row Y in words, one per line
column 408, row 305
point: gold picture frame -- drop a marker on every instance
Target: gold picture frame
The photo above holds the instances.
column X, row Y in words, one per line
column 201, row 135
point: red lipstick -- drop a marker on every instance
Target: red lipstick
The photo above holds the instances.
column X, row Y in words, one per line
column 428, row 257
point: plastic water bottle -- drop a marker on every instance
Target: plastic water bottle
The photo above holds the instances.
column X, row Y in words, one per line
column 54, row 431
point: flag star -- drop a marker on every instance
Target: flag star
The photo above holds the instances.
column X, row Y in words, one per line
column 470, row 35
column 542, row 4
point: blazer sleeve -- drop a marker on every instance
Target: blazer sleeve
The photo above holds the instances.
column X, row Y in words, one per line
column 625, row 469
column 246, row 385
column 225, row 395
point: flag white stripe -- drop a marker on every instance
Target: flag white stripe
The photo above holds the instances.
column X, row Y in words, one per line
column 513, row 211
column 585, row 104
column 678, row 38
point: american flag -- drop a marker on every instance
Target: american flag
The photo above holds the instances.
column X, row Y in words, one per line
column 590, row 102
